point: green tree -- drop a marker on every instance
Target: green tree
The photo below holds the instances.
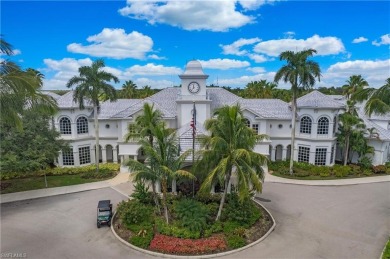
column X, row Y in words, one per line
column 143, row 130
column 163, row 162
column 229, row 149
column 259, row 89
column 354, row 84
column 92, row 83
column 33, row 148
column 129, row 90
column 378, row 99
column 301, row 73
column 20, row 90
column 146, row 91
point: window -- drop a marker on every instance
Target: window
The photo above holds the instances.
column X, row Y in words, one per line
column 323, row 126
column 84, row 155
column 305, row 125
column 65, row 126
column 331, row 155
column 320, row 158
column 303, row 154
column 67, row 158
column 107, row 126
column 255, row 128
column 247, row 122
column 132, row 129
column 388, row 126
column 280, row 126
column 82, row 125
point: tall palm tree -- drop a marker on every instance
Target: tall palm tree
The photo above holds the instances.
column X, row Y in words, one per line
column 378, row 99
column 355, row 83
column 129, row 90
column 20, row 90
column 259, row 89
column 144, row 127
column 163, row 162
column 301, row 73
column 228, row 150
column 146, row 91
column 92, row 83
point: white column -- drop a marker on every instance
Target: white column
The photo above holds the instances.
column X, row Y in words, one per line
column 273, row 154
column 284, row 153
column 115, row 155
column 92, row 154
column 136, row 158
column 174, row 186
column 104, row 155
column 60, row 160
column 229, row 187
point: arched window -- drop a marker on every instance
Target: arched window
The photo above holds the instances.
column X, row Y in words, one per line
column 323, row 126
column 305, row 125
column 65, row 126
column 82, row 125
column 247, row 122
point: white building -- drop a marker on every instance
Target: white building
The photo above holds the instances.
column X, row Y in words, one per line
column 315, row 130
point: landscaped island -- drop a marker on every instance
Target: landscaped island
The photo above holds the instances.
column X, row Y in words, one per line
column 192, row 229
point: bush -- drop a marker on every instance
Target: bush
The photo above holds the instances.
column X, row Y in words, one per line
column 207, row 198
column 230, row 226
column 133, row 212
column 175, row 230
column 365, row 162
column 367, row 172
column 244, row 212
column 192, row 214
column 301, row 172
column 323, row 171
column 355, row 169
column 143, row 237
column 142, row 194
column 341, row 171
column 379, row 169
column 235, row 242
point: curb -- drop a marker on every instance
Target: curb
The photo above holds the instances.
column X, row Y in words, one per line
column 383, row 251
column 196, row 256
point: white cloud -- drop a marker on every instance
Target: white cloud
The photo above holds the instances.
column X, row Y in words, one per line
column 359, row 40
column 259, row 58
column 234, row 48
column 191, row 15
column 157, row 84
column 115, row 43
column 385, row 40
column 289, row 35
column 257, row 70
column 223, row 64
column 154, row 56
column 374, row 71
column 323, row 45
column 152, row 70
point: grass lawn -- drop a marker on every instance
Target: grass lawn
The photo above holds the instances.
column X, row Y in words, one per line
column 33, row 183
column 386, row 252
column 317, row 177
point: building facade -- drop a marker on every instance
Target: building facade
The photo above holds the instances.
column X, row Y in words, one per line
column 315, row 129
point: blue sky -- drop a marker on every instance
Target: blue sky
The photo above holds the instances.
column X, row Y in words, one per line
column 237, row 42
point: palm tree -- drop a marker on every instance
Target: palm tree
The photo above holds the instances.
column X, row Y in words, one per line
column 163, row 162
column 143, row 129
column 378, row 99
column 228, row 150
column 259, row 89
column 129, row 90
column 146, row 91
column 354, row 84
column 91, row 84
column 20, row 90
column 301, row 73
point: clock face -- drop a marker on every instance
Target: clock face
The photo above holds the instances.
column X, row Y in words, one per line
column 193, row 87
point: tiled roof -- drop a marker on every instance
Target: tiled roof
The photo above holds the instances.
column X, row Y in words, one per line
column 110, row 109
column 316, row 99
column 66, row 101
column 267, row 108
column 221, row 97
column 165, row 101
column 383, row 133
column 54, row 95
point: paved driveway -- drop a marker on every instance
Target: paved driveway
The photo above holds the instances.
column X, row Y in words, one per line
column 312, row 222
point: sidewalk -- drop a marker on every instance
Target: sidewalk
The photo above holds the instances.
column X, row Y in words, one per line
column 120, row 183
column 269, row 178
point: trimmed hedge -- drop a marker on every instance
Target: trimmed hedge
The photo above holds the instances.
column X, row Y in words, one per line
column 88, row 172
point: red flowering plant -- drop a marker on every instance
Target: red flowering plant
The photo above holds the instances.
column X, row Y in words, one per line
column 174, row 245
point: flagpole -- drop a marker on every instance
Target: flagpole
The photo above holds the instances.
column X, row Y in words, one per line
column 193, row 144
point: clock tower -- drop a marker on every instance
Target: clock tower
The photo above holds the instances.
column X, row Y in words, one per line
column 193, row 90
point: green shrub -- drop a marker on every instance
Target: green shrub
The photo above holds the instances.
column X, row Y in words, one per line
column 230, row 226
column 207, row 198
column 142, row 194
column 235, row 242
column 355, row 169
column 379, row 169
column 278, row 166
column 388, row 170
column 143, row 237
column 323, row 171
column 175, row 230
column 304, row 166
column 365, row 162
column 387, row 164
column 367, row 172
column 133, row 212
column 192, row 214
column 341, row 171
column 299, row 172
column 244, row 212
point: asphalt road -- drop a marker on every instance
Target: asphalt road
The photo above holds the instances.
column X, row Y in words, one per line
column 312, row 222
